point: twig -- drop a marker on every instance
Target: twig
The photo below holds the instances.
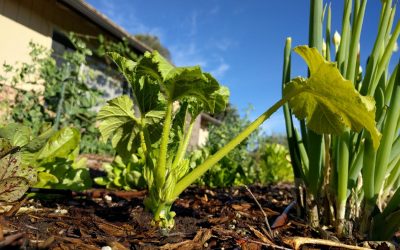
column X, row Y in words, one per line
column 8, row 240
column 14, row 209
column 265, row 215
column 268, row 245
column 92, row 193
column 297, row 242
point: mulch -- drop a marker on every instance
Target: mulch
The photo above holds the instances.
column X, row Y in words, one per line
column 206, row 219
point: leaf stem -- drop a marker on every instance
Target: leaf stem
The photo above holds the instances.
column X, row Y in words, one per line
column 162, row 158
column 183, row 145
column 207, row 164
column 343, row 173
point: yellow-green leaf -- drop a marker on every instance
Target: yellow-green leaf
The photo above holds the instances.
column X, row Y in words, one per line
column 329, row 103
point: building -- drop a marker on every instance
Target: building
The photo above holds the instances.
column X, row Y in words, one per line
column 46, row 21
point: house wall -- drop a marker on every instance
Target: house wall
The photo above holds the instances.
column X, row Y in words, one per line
column 23, row 21
column 18, row 26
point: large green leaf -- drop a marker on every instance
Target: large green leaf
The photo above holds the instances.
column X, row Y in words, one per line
column 46, row 180
column 61, row 144
column 190, row 81
column 221, row 97
column 30, row 151
column 155, row 65
column 200, row 90
column 118, row 122
column 144, row 78
column 329, row 103
column 124, row 65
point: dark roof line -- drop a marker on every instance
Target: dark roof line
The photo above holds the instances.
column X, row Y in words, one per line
column 211, row 119
column 100, row 19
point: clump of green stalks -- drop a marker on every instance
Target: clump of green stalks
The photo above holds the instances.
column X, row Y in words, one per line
column 345, row 179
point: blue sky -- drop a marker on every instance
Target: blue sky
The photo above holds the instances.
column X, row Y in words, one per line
column 239, row 42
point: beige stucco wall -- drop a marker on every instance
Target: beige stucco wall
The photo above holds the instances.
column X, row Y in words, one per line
column 19, row 25
column 15, row 36
column 22, row 21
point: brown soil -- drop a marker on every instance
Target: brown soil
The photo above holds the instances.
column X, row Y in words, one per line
column 206, row 218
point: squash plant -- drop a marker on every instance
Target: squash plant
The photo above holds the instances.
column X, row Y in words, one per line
column 159, row 135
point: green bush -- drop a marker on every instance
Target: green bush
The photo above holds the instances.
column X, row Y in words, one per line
column 274, row 165
column 238, row 166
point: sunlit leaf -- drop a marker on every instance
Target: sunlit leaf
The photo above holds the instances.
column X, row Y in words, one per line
column 61, row 144
column 46, row 180
column 154, row 64
column 202, row 92
column 328, row 102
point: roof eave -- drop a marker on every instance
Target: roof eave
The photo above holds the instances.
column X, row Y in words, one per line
column 100, row 19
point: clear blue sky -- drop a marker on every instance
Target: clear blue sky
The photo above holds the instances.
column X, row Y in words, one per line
column 239, row 42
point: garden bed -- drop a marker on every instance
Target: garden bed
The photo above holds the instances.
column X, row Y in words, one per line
column 206, row 218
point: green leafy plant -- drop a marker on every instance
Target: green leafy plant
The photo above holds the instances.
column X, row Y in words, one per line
column 238, row 166
column 161, row 147
column 58, row 93
column 15, row 178
column 52, row 154
column 156, row 85
column 122, row 175
column 331, row 166
column 58, row 165
column 274, row 164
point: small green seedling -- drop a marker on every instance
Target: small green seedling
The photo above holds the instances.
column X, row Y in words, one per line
column 159, row 134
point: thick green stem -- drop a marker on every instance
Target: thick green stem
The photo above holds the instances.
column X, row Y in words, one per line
column 315, row 144
column 345, row 39
column 212, row 160
column 384, row 61
column 393, row 177
column 183, row 145
column 162, row 158
column 356, row 167
column 343, row 172
column 389, row 133
column 367, row 87
column 328, row 34
column 352, row 68
column 292, row 142
column 368, row 171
